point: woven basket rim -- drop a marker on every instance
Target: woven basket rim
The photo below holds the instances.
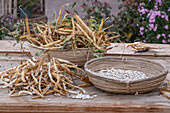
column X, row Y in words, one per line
column 39, row 47
column 165, row 71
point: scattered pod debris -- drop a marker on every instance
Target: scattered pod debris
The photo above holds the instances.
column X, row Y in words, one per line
column 83, row 96
column 165, row 90
column 141, row 47
column 136, row 93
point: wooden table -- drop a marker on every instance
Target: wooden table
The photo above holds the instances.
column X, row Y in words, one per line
column 105, row 102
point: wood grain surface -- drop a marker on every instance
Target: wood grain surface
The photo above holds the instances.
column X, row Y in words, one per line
column 119, row 49
column 104, row 103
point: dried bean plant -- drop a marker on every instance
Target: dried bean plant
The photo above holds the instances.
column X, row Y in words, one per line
column 69, row 32
column 40, row 78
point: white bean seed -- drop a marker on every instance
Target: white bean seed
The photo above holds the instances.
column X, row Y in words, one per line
column 123, row 75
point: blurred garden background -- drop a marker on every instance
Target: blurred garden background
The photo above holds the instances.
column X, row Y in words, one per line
column 135, row 20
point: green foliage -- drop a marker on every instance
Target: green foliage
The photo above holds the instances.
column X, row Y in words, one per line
column 73, row 7
column 143, row 20
column 39, row 52
column 7, row 22
column 93, row 24
column 1, row 34
column 67, row 21
column 74, row 4
column 156, row 55
column 6, row 54
column 33, row 5
column 125, row 22
column 97, row 9
column 54, row 12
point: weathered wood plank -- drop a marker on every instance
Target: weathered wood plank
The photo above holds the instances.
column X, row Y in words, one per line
column 84, row 108
column 149, row 102
column 164, row 50
column 15, row 9
column 13, row 46
column 10, row 7
column 119, row 49
column 3, row 7
column 105, row 102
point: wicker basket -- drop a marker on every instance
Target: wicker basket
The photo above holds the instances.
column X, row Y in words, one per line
column 155, row 71
column 78, row 57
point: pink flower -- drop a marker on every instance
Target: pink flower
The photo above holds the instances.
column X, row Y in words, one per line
column 152, row 15
column 162, row 16
column 148, row 14
column 169, row 35
column 163, row 41
column 146, row 10
column 155, row 27
column 163, row 13
column 141, row 28
column 143, row 11
column 140, row 4
column 152, row 20
column 151, row 26
column 163, row 34
column 158, row 36
column 158, row 13
column 166, row 27
column 169, row 9
column 168, row 40
column 156, row 7
column 166, row 18
column 141, row 32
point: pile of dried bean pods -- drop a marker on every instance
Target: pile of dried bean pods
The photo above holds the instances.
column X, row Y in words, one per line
column 40, row 78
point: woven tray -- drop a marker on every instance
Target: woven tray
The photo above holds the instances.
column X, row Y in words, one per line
column 155, row 71
column 78, row 57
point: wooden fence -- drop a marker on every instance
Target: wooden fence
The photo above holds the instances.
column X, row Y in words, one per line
column 8, row 7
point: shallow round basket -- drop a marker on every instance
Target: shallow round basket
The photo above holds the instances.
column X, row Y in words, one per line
column 155, row 72
column 78, row 56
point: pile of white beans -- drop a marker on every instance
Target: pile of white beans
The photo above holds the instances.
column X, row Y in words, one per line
column 122, row 75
